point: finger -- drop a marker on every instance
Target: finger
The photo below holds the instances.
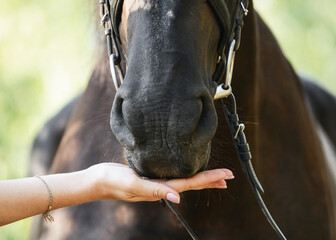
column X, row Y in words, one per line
column 154, row 190
column 200, row 180
column 217, row 184
column 221, row 184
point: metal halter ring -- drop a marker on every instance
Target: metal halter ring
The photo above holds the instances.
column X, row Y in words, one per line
column 112, row 47
column 114, row 72
column 224, row 89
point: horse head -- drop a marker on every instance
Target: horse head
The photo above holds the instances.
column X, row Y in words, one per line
column 163, row 113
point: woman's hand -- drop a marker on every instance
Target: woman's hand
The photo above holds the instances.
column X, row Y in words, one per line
column 117, row 181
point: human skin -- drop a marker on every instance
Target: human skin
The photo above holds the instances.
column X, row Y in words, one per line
column 26, row 197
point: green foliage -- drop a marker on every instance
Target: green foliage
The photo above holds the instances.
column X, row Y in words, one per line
column 306, row 31
column 46, row 51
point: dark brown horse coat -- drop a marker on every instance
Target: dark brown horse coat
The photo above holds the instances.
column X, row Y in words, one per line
column 287, row 157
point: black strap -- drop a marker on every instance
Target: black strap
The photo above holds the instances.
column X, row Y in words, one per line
column 223, row 16
column 238, row 21
column 116, row 11
column 245, row 156
column 179, row 216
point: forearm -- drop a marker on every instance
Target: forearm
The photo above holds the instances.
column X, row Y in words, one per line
column 22, row 198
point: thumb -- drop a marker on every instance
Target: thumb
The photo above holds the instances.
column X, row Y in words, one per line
column 156, row 190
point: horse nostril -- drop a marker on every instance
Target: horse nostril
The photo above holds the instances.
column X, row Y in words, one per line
column 116, row 112
column 202, row 117
column 207, row 122
column 118, row 124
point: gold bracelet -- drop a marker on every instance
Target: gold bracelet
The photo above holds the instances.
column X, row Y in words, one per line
column 47, row 216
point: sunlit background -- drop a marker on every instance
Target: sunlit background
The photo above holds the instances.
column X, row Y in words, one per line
column 47, row 52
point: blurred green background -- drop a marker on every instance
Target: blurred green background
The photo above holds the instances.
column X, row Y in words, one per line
column 47, row 52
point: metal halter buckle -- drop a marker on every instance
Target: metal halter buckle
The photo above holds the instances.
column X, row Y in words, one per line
column 244, row 8
column 224, row 89
column 241, row 127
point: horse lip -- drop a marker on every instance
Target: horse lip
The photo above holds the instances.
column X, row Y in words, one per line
column 157, row 169
column 176, row 172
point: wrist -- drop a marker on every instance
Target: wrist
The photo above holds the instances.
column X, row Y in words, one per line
column 95, row 175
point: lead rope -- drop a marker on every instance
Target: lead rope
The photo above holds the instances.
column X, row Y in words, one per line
column 172, row 207
column 223, row 90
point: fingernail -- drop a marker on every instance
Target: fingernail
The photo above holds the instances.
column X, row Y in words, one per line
column 221, row 186
column 173, row 198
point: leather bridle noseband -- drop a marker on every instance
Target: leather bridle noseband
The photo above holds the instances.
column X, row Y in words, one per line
column 111, row 11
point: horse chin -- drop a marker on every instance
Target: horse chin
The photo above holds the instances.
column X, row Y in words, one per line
column 158, row 169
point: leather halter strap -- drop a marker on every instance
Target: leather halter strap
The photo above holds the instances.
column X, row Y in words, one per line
column 116, row 11
column 223, row 17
